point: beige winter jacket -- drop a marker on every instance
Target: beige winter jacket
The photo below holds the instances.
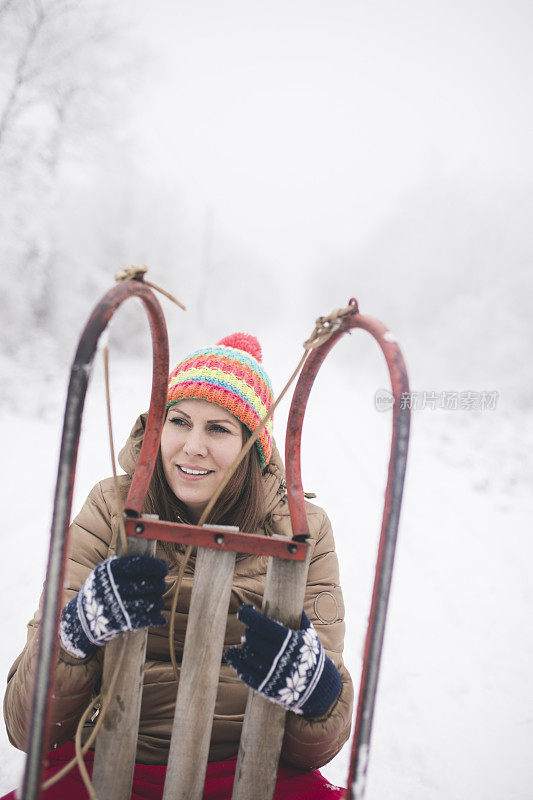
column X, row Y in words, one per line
column 308, row 743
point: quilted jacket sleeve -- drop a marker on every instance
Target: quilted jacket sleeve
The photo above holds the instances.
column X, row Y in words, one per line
column 90, row 537
column 311, row 743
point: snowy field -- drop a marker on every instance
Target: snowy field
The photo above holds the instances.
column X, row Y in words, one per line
column 454, row 713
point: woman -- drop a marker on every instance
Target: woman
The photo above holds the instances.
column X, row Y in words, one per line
column 217, row 397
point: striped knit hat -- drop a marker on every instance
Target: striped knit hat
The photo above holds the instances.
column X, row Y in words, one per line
column 232, row 376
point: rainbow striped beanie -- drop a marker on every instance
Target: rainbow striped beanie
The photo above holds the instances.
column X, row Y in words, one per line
column 231, row 375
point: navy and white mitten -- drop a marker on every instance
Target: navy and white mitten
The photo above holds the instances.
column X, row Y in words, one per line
column 286, row 666
column 121, row 594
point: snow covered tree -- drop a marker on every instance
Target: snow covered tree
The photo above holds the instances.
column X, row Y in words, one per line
column 62, row 69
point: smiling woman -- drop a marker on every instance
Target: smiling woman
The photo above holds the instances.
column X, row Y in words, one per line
column 217, row 397
column 198, row 445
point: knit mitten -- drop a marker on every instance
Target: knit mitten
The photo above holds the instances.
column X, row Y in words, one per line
column 123, row 593
column 286, row 666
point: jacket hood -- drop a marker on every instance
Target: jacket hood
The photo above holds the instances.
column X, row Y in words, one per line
column 273, row 474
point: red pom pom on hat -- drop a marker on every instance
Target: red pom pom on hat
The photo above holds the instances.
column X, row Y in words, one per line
column 243, row 341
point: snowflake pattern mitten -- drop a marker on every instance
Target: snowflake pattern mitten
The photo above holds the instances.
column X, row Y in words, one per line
column 286, row 666
column 121, row 594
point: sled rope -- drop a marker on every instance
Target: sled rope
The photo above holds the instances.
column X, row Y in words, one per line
column 137, row 274
column 324, row 328
column 121, row 526
column 81, row 750
column 175, row 595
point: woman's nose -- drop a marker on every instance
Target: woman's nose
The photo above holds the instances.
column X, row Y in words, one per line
column 195, row 443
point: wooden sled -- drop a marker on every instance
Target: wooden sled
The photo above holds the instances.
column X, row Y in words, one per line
column 264, row 721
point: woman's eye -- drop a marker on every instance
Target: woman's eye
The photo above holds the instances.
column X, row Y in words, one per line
column 219, row 429
column 178, row 421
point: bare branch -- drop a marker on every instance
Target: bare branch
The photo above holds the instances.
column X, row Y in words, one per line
column 19, row 79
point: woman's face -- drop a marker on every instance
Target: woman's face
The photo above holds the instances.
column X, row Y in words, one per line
column 200, row 441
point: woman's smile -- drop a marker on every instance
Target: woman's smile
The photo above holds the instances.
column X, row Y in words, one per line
column 196, row 472
column 192, row 473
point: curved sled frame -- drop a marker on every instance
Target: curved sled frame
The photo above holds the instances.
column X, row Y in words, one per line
column 55, row 575
column 389, row 527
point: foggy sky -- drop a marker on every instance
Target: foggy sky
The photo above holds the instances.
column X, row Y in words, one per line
column 304, row 124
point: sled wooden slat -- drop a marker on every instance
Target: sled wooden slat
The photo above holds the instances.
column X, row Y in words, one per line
column 200, row 670
column 116, row 743
column 264, row 721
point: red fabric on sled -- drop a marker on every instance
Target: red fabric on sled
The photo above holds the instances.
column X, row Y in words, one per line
column 149, row 780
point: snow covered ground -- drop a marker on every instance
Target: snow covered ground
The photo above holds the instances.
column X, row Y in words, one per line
column 454, row 713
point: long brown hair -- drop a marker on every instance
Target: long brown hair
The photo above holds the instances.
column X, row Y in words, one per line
column 241, row 503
